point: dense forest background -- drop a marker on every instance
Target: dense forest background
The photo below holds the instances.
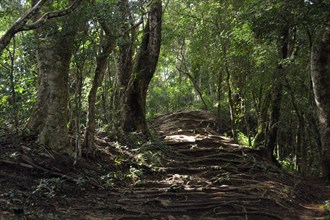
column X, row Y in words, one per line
column 70, row 68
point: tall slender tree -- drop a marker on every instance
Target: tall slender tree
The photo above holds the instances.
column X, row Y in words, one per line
column 107, row 45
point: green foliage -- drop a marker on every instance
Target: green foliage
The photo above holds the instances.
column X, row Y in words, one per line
column 287, row 164
column 166, row 95
column 244, row 140
column 18, row 62
column 135, row 174
column 109, row 179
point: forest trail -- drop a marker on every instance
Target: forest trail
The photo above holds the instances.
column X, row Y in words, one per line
column 208, row 176
column 203, row 175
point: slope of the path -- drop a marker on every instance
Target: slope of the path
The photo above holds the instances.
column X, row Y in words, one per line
column 207, row 176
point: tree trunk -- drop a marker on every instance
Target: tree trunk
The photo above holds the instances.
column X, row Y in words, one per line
column 125, row 64
column 54, row 131
column 101, row 66
column 275, row 108
column 77, row 114
column 320, row 73
column 50, row 117
column 133, row 102
column 275, row 114
column 261, row 114
column 37, row 120
column 219, row 92
column 301, row 147
column 12, row 85
column 230, row 96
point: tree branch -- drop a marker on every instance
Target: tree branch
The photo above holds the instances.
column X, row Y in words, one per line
column 21, row 23
column 52, row 14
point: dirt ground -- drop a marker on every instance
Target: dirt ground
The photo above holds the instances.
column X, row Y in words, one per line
column 191, row 172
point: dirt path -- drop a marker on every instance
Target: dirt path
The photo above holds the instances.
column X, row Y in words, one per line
column 204, row 175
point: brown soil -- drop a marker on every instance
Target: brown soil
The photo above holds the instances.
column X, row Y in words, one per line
column 197, row 173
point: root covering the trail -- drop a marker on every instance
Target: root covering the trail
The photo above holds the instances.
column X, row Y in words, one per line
column 201, row 175
column 208, row 176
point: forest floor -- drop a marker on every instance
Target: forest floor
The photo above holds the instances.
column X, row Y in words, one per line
column 191, row 172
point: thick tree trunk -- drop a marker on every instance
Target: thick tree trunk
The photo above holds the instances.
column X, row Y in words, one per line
column 54, row 132
column 37, row 120
column 133, row 105
column 50, row 117
column 320, row 73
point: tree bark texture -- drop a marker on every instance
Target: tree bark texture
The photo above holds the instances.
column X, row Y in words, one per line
column 133, row 102
column 50, row 117
column 320, row 73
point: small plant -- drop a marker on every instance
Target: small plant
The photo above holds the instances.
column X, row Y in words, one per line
column 47, row 187
column 244, row 140
column 135, row 174
column 81, row 181
column 109, row 179
column 287, row 164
